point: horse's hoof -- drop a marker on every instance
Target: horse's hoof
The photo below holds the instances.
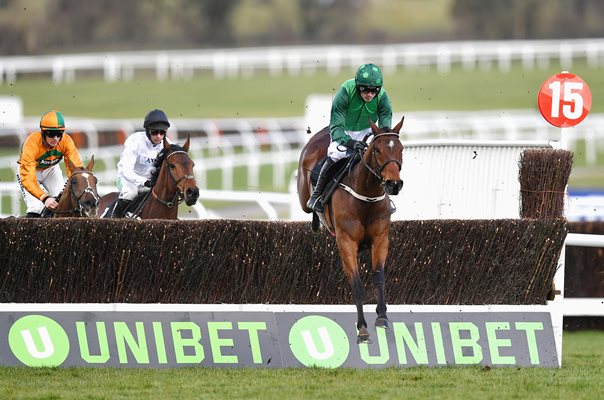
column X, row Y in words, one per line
column 363, row 336
column 364, row 339
column 382, row 322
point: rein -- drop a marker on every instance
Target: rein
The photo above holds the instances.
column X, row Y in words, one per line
column 380, row 168
column 179, row 192
column 377, row 174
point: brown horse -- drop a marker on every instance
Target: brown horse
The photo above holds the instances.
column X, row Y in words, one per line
column 173, row 181
column 79, row 197
column 359, row 210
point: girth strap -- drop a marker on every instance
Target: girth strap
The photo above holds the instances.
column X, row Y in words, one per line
column 360, row 196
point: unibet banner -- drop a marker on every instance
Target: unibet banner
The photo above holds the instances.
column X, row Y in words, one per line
column 274, row 339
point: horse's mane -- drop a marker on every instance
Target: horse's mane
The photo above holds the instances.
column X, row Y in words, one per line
column 161, row 156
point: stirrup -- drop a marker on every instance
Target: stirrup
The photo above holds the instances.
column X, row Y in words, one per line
column 315, row 205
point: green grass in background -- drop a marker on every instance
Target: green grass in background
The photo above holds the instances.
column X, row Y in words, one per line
column 264, row 95
column 579, row 378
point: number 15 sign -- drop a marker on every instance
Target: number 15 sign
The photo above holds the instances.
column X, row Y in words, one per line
column 564, row 100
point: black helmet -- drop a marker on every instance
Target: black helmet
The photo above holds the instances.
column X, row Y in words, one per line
column 155, row 119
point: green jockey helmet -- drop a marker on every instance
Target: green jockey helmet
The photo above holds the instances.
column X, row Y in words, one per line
column 369, row 75
column 52, row 121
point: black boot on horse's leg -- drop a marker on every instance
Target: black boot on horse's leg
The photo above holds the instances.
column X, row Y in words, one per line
column 120, row 208
column 378, row 282
column 314, row 203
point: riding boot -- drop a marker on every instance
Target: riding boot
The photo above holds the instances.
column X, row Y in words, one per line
column 314, row 203
column 47, row 213
column 32, row 215
column 120, row 208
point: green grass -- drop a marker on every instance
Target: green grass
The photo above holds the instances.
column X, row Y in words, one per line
column 264, row 95
column 579, row 378
column 278, row 96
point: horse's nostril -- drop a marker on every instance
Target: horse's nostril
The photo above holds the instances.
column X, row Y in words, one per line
column 193, row 192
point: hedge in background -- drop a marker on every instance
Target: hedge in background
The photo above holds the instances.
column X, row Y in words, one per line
column 584, row 274
column 226, row 261
column 543, row 176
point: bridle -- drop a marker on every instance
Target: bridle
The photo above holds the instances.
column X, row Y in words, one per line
column 380, row 168
column 78, row 210
column 179, row 192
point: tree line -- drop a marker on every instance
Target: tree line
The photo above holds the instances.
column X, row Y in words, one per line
column 56, row 26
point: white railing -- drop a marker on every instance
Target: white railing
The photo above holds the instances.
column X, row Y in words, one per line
column 295, row 60
column 577, row 306
column 220, row 136
column 226, row 204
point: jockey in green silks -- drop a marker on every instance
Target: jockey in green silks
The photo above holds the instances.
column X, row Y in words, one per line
column 357, row 101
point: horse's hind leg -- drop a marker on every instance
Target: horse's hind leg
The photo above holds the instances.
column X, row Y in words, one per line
column 315, row 222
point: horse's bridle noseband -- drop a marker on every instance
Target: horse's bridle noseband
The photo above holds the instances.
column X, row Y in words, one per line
column 179, row 195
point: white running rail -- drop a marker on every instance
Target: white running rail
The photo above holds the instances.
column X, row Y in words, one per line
column 296, row 60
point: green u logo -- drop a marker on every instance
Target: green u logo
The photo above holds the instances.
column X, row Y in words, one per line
column 38, row 341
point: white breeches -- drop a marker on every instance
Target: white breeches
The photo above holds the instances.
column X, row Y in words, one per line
column 128, row 190
column 337, row 151
column 51, row 181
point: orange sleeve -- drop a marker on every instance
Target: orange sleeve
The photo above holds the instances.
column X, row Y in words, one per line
column 70, row 151
column 27, row 168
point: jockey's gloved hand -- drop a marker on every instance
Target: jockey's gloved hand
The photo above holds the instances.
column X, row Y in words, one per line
column 145, row 188
column 356, row 145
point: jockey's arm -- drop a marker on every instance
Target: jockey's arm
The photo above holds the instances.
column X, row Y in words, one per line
column 384, row 111
column 70, row 151
column 339, row 107
column 27, row 170
column 127, row 162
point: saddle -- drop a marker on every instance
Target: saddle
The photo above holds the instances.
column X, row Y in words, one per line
column 335, row 174
column 134, row 208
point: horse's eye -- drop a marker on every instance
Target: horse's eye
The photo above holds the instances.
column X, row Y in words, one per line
column 172, row 166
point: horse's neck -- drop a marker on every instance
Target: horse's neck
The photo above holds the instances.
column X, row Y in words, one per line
column 362, row 180
column 65, row 200
column 165, row 189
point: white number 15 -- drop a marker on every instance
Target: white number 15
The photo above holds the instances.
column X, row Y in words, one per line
column 569, row 96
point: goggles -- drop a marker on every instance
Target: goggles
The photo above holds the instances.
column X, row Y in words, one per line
column 155, row 132
column 53, row 134
column 369, row 89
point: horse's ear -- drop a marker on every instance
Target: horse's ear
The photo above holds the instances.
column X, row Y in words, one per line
column 70, row 164
column 374, row 127
column 186, row 145
column 398, row 126
column 90, row 164
column 166, row 144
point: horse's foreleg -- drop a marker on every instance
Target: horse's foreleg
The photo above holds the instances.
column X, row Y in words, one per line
column 379, row 252
column 357, row 298
column 349, row 254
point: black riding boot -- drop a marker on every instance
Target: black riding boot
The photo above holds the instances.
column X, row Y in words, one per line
column 314, row 203
column 120, row 208
column 32, row 215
